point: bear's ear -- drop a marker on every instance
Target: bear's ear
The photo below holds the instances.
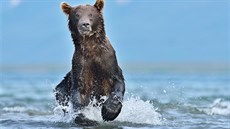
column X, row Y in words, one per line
column 99, row 5
column 66, row 8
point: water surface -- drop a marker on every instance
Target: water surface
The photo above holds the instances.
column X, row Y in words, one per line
column 152, row 100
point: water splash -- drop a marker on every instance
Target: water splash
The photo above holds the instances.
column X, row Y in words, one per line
column 218, row 107
column 134, row 110
column 138, row 111
column 60, row 116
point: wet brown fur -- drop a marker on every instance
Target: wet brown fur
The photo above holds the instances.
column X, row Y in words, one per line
column 94, row 64
column 96, row 80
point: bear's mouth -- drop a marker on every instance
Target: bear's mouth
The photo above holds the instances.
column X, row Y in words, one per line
column 85, row 31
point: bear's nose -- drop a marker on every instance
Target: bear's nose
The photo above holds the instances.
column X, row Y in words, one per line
column 85, row 25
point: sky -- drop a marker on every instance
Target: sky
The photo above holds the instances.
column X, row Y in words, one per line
column 34, row 32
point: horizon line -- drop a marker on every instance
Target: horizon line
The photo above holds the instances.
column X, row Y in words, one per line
column 128, row 67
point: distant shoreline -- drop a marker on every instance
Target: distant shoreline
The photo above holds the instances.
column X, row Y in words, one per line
column 127, row 67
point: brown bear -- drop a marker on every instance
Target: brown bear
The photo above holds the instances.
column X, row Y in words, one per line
column 95, row 71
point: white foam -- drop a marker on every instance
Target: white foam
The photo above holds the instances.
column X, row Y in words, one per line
column 138, row 111
column 218, row 107
column 93, row 113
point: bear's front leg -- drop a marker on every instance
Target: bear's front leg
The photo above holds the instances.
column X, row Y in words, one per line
column 62, row 91
column 77, row 105
column 77, row 79
column 75, row 99
column 75, row 96
column 112, row 106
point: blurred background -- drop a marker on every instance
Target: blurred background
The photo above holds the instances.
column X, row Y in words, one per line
column 150, row 34
column 174, row 55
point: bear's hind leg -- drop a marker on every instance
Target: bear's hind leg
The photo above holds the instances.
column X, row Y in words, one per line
column 83, row 121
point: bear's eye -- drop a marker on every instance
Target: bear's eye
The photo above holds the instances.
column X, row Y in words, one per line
column 78, row 13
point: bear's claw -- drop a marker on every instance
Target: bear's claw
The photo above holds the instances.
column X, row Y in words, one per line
column 111, row 109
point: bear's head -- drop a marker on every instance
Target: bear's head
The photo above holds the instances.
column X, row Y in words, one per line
column 85, row 20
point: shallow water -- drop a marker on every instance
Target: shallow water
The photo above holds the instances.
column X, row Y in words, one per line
column 152, row 100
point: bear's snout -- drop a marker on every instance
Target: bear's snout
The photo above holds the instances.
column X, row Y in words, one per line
column 84, row 27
